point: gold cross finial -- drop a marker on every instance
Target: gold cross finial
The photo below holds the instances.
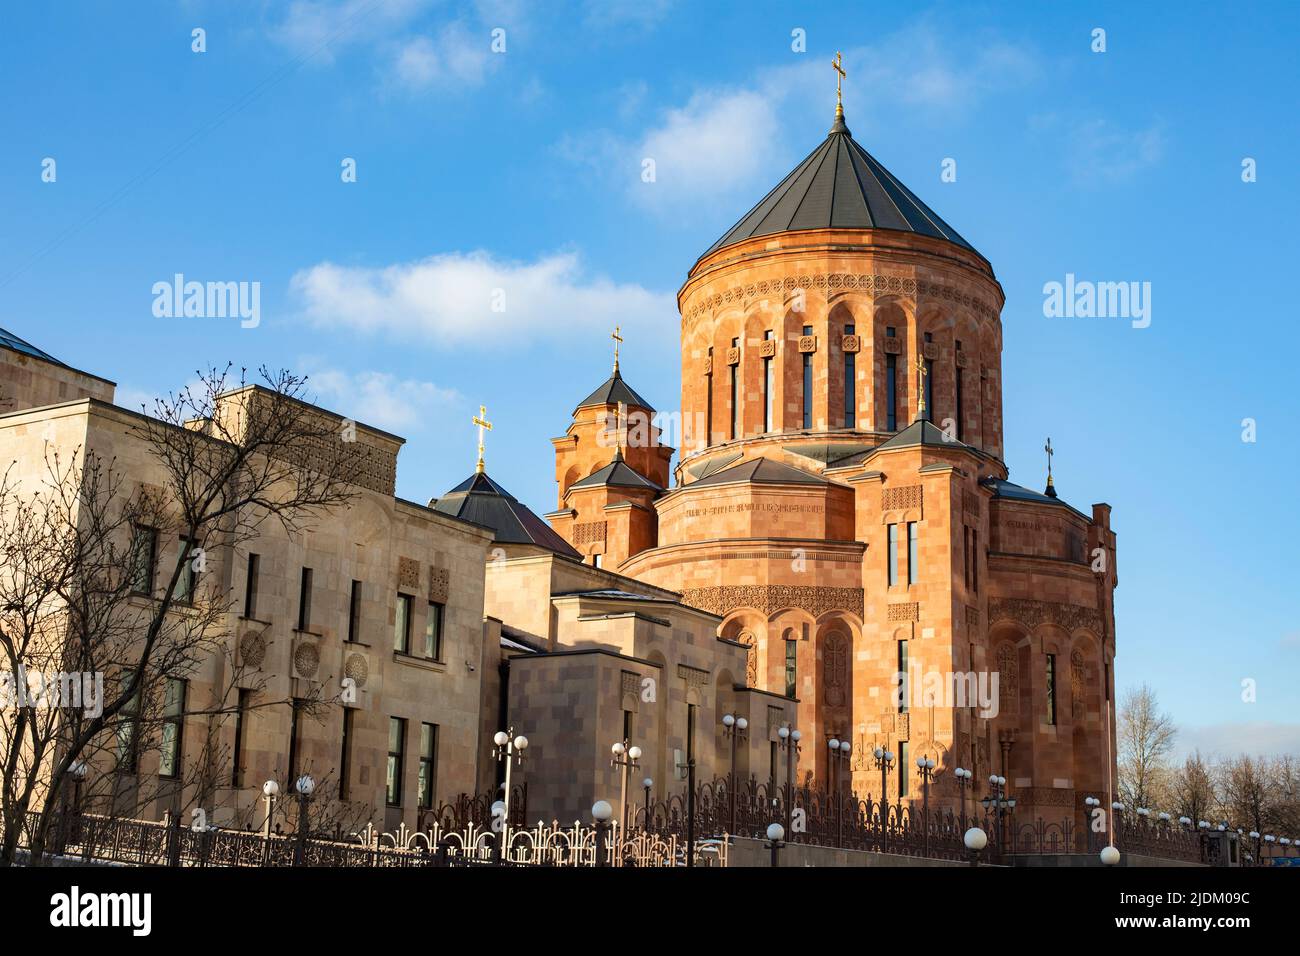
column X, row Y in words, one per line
column 1048, row 448
column 483, row 425
column 922, row 371
column 617, row 340
column 839, row 70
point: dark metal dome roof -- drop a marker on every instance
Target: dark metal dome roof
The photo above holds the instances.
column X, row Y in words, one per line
column 840, row 186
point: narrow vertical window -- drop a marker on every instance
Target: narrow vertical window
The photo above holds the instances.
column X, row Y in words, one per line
column 1051, row 688
column 771, row 765
column 627, row 725
column 928, row 386
column 974, row 560
column 127, row 731
column 735, row 392
column 891, row 554
column 904, row 769
column 891, row 386
column 144, row 559
column 708, row 402
column 396, row 744
column 173, row 727
column 913, row 568
column 189, row 579
column 904, row 689
column 345, row 753
column 295, row 712
column 250, row 586
column 428, row 765
column 850, row 387
column 791, row 667
column 433, row 632
column 354, row 612
column 961, row 413
column 965, row 556
column 237, row 752
column 769, row 386
column 595, row 560
column 304, row 600
column 402, row 625
column 690, row 732
column 807, row 383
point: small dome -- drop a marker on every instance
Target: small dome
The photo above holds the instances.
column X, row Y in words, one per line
column 480, row 500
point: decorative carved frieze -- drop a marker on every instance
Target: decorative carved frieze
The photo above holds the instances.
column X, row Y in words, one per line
column 770, row 598
column 851, row 343
column 904, row 611
column 767, row 348
column 733, row 356
column 893, row 346
column 589, row 532
column 694, row 676
column 631, row 683
column 807, row 344
column 1008, row 679
column 830, row 283
column 357, row 668
column 408, row 574
column 439, row 581
column 1045, row 796
column 896, row 499
column 1032, row 613
column 930, row 350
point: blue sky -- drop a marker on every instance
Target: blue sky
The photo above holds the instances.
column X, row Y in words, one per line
column 521, row 170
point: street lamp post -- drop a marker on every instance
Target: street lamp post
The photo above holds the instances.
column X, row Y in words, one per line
column 305, row 787
column 789, row 739
column 625, row 757
column 775, row 836
column 963, row 781
column 601, row 811
column 884, row 763
column 647, row 784
column 925, row 765
column 510, row 750
column 735, row 729
column 996, row 800
column 839, row 752
column 975, row 840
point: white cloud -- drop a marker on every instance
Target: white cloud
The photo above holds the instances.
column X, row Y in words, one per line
column 1100, row 152
column 473, row 298
column 378, row 398
column 1257, row 738
column 454, row 58
column 727, row 141
column 323, row 28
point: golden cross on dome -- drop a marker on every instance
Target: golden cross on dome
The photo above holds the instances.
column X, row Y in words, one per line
column 922, row 371
column 839, row 69
column 617, row 341
column 1048, row 448
column 483, row 425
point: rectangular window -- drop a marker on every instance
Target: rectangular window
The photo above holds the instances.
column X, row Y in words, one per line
column 237, row 752
column 354, row 612
column 433, row 632
column 189, row 579
column 402, row 625
column 807, row 383
column 1051, row 688
column 769, row 386
column 904, row 691
column 891, row 393
column 974, row 560
column 904, row 769
column 771, row 764
column 850, row 386
column 690, row 733
column 708, row 402
column 913, row 567
column 791, row 667
column 250, row 587
column 595, row 560
column 295, row 712
column 891, row 554
column 961, row 414
column 627, row 725
column 127, row 731
column 396, row 746
column 965, row 556
column 304, row 600
column 173, row 728
column 428, row 764
column 345, row 753
column 144, row 559
column 735, row 392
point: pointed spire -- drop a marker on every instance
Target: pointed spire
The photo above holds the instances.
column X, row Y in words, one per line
column 1051, row 489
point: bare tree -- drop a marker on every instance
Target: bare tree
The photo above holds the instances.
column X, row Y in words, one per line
column 1246, row 795
column 232, row 457
column 1192, row 788
column 1146, row 737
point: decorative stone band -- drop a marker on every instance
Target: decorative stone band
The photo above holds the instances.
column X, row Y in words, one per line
column 838, row 281
column 1033, row 613
column 1045, row 796
column 770, row 598
column 693, row 676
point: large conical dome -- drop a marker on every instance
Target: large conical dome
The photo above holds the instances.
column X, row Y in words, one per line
column 840, row 186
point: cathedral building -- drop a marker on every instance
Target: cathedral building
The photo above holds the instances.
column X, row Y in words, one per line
column 844, row 506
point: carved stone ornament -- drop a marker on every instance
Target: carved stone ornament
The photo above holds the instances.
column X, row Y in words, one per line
column 770, row 598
